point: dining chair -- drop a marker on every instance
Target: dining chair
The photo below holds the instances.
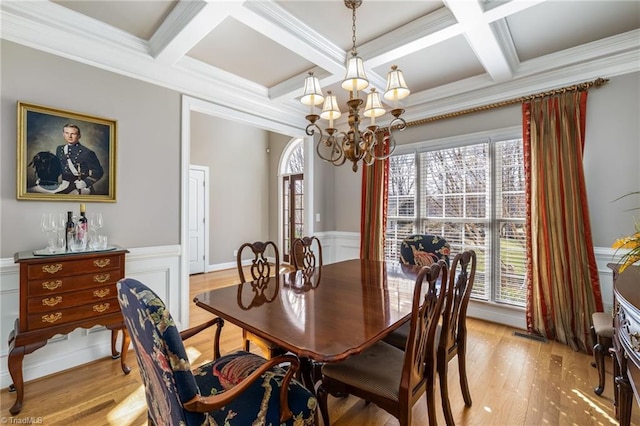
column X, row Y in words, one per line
column 452, row 333
column 239, row 388
column 387, row 376
column 303, row 254
column 602, row 336
column 306, row 253
column 424, row 249
column 262, row 271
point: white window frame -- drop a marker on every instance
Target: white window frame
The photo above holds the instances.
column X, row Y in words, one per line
column 490, row 310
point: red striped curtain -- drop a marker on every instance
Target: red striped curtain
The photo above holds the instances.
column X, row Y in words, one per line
column 563, row 288
column 373, row 218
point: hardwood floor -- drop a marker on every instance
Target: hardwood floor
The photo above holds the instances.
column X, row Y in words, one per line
column 513, row 381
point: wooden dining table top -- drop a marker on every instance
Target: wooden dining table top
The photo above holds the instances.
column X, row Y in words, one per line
column 326, row 313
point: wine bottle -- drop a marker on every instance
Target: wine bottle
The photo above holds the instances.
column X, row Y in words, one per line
column 83, row 227
column 68, row 229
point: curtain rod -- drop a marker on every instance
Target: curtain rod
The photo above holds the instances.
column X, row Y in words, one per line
column 580, row 87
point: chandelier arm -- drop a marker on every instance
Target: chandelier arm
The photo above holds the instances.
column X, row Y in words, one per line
column 336, row 155
column 397, row 124
column 368, row 142
column 343, row 137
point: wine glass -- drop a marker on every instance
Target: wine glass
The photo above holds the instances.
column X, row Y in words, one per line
column 46, row 222
column 99, row 221
column 95, row 221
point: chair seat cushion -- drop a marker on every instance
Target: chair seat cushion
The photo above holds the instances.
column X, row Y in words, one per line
column 399, row 336
column 376, row 370
column 260, row 404
column 232, row 369
column 603, row 324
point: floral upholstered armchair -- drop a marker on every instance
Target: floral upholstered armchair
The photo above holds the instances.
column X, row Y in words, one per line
column 236, row 389
column 424, row 250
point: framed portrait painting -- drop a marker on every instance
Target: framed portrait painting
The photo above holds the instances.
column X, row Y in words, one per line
column 65, row 155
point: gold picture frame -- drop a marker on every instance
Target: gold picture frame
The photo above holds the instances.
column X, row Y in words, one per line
column 65, row 155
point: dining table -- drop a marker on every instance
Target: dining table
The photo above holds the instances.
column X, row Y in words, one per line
column 322, row 314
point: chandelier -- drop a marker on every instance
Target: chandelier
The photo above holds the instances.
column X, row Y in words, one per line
column 371, row 143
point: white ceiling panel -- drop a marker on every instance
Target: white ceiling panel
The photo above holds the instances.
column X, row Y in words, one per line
column 240, row 50
column 140, row 18
column 558, row 25
column 253, row 55
column 333, row 19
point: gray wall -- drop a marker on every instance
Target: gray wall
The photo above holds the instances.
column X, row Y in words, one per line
column 239, row 189
column 611, row 156
column 147, row 211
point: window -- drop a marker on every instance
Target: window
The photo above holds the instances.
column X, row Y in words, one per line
column 473, row 196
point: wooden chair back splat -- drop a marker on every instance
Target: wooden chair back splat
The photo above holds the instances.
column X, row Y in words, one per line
column 261, row 272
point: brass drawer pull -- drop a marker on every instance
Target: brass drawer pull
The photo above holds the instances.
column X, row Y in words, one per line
column 53, row 301
column 101, row 278
column 52, row 285
column 101, row 263
column 52, row 318
column 52, row 269
column 101, row 308
column 102, row 292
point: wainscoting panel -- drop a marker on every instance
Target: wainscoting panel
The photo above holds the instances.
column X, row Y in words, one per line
column 157, row 267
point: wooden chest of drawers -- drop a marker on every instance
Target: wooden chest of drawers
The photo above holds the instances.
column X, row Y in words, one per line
column 60, row 293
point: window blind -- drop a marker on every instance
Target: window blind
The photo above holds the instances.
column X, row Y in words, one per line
column 473, row 196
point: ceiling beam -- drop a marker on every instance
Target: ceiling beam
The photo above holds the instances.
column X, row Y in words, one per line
column 187, row 24
column 481, row 39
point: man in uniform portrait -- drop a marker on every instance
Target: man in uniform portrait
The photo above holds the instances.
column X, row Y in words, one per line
column 80, row 165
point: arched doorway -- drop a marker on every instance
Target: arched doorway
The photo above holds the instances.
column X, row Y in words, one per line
column 292, row 206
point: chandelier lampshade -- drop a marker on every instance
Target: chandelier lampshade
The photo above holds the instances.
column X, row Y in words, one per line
column 373, row 108
column 355, row 144
column 330, row 109
column 312, row 91
column 356, row 78
column 396, row 86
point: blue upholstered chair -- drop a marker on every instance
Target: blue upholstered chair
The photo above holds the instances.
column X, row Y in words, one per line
column 424, row 250
column 236, row 389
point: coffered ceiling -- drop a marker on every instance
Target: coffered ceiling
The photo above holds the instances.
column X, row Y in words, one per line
column 252, row 56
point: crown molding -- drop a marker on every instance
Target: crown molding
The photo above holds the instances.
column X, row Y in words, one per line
column 41, row 25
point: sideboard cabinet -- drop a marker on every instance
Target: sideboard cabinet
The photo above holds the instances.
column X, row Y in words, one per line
column 62, row 292
column 626, row 340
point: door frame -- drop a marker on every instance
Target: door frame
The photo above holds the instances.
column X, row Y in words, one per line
column 293, row 177
column 308, row 185
column 206, row 209
column 190, row 104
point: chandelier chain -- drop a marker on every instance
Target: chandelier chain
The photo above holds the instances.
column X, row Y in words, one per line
column 353, row 28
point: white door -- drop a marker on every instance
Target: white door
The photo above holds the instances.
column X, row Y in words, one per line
column 198, row 218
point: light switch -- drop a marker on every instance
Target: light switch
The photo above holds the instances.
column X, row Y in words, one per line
column 317, row 217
